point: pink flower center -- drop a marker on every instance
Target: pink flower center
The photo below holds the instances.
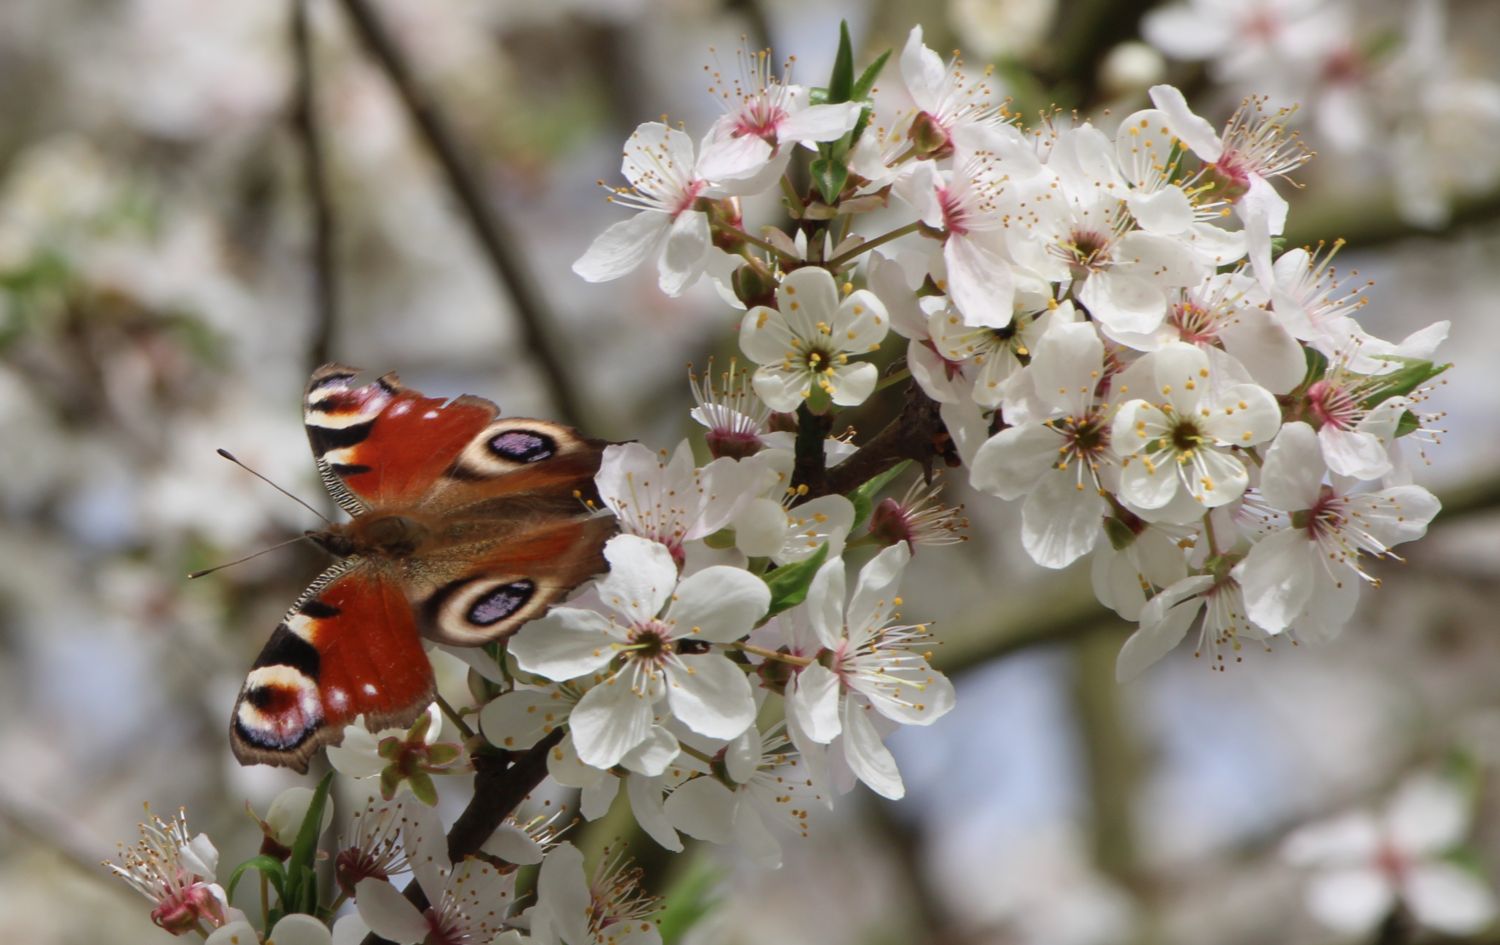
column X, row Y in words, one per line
column 762, row 119
column 182, row 910
column 1333, row 405
column 955, row 214
column 688, row 197
column 1194, row 323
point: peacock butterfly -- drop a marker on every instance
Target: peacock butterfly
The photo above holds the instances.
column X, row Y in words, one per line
column 464, row 525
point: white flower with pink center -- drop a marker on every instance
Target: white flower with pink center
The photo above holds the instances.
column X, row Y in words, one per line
column 767, row 117
column 1061, row 462
column 1179, row 451
column 946, row 99
column 659, row 643
column 608, row 908
column 1249, row 38
column 1365, row 864
column 1307, row 569
column 664, row 188
column 1168, row 616
column 175, row 870
column 870, row 667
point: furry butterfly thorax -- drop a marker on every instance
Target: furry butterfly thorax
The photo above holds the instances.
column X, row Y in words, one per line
column 464, row 525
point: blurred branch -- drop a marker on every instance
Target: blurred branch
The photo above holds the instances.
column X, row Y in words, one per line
column 1375, row 222
column 53, row 830
column 315, row 179
column 495, row 239
column 757, row 30
column 1112, row 761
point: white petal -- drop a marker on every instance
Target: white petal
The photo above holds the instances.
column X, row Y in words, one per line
column 979, row 282
column 1059, row 521
column 1348, row 839
column 783, row 390
column 1194, row 131
column 1067, row 365
column 624, row 246
column 742, row 756
column 813, row 697
column 877, row 585
column 683, row 255
column 513, row 845
column 646, row 805
column 609, row 720
column 1218, row 479
column 764, row 336
column 819, row 122
column 760, row 529
column 1352, row 901
column 1448, row 898
column 518, row 719
column 1167, row 211
column 238, row 932
column 861, row 322
column 807, row 296
column 562, row 890
column 703, row 808
column 867, row 756
column 922, row 70
column 825, row 602
column 598, row 797
column 728, row 158
column 1278, row 578
column 299, row 929
column 350, row 930
column 718, row 605
column 387, row 912
column 1266, row 349
column 1292, row 475
column 1147, row 488
column 654, row 755
column 1009, row 463
column 1353, row 453
column 564, row 644
column 710, row 695
column 1164, row 622
column 854, row 383
column 1123, row 302
column 641, row 576
column 1428, row 815
column 751, row 836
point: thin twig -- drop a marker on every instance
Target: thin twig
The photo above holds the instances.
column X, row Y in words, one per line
column 315, row 180
column 495, row 240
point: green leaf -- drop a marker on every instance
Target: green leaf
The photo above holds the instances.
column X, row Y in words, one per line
column 864, row 496
column 789, row 582
column 308, row 885
column 268, row 865
column 1317, row 364
column 689, row 899
column 866, row 80
column 841, row 82
column 1412, row 374
column 1407, row 424
column 830, row 176
column 305, row 849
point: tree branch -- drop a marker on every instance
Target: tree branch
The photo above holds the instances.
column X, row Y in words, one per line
column 916, row 433
column 495, row 240
column 315, row 180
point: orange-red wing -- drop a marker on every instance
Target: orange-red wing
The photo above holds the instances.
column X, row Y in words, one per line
column 382, row 444
column 349, row 647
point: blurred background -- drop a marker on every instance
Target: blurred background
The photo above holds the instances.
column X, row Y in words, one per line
column 200, row 202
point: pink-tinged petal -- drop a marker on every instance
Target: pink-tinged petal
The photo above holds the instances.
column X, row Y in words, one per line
column 718, row 605
column 867, row 755
column 1166, row 212
column 825, row 602
column 1195, row 132
column 518, row 719
column 1164, row 622
column 1292, row 475
column 819, row 123
column 728, row 157
column 861, row 323
column 565, row 644
column 1352, row 900
column 1062, row 518
column 703, row 808
column 624, row 246
column 854, row 383
column 1010, row 462
column 1278, row 576
column 1266, row 349
column 807, row 296
column 922, row 71
column 683, row 256
column 387, row 912
column 878, row 582
column 610, row 719
column 813, row 698
column 1446, row 897
column 1428, row 816
column 642, row 575
column 1123, row 302
column 709, row 694
column 646, row 806
column 1346, row 840
column 979, row 282
column 562, row 889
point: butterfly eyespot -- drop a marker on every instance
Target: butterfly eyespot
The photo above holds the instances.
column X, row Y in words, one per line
column 523, row 446
column 501, row 602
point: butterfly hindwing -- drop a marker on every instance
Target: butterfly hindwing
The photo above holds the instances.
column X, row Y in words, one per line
column 348, row 647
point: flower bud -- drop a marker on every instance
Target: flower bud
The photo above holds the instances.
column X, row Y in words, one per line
column 929, row 138
column 754, row 284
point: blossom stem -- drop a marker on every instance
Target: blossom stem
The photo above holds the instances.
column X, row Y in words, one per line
column 894, row 379
column 454, row 717
column 789, row 191
column 1208, row 532
column 775, row 655
column 867, row 245
column 738, row 233
column 265, row 901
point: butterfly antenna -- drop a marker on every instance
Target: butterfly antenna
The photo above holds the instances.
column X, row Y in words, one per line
column 231, row 457
column 220, row 567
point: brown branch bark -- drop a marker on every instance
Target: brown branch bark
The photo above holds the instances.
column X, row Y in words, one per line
column 917, row 433
column 494, row 237
column 315, row 180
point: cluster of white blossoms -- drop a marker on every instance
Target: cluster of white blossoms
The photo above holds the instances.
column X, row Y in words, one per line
column 1099, row 323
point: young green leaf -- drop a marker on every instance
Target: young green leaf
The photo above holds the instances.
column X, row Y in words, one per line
column 841, row 82
column 690, row 898
column 269, row 866
column 830, row 175
column 1412, row 374
column 305, row 849
column 789, row 583
column 863, row 497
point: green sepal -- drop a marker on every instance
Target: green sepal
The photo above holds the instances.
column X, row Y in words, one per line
column 721, row 540
column 863, row 496
column 304, row 849
column 1407, row 424
column 830, row 175
column 866, row 80
column 423, row 787
column 1317, row 364
column 789, row 583
column 269, row 866
column 443, row 753
column 690, row 898
column 841, row 81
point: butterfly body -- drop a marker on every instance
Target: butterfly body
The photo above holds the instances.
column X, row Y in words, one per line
column 464, row 526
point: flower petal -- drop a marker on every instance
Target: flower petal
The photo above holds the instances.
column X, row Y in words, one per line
column 703, row 808
column 854, row 383
column 1195, row 132
column 719, row 604
column 624, row 246
column 709, row 694
column 564, row 644
column 562, row 889
column 1062, row 518
column 1278, row 578
column 979, row 282
column 610, row 719
column 387, row 912
column 1009, row 463
column 1292, row 475
column 641, row 576
column 1164, row 622
column 867, row 756
column 813, row 698
column 682, row 257
column 1446, row 897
